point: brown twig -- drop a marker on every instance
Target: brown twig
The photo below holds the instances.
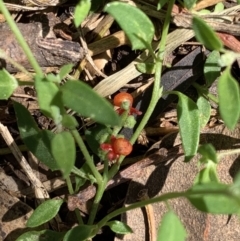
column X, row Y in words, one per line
column 143, row 195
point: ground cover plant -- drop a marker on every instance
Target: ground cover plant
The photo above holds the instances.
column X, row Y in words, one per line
column 57, row 150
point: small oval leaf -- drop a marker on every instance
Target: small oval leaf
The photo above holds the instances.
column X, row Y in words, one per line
column 228, row 58
column 188, row 119
column 119, row 227
column 204, row 108
column 69, row 122
column 170, row 221
column 81, row 11
column 229, row 99
column 86, row 102
column 49, row 97
column 208, row 174
column 44, row 212
column 218, row 202
column 43, row 235
column 134, row 23
column 146, row 68
column 219, row 7
column 79, row 233
column 64, row 70
column 211, row 67
column 7, row 84
column 37, row 141
column 208, row 152
column 205, row 35
column 189, row 3
column 64, row 152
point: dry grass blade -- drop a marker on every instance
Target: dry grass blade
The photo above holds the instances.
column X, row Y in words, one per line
column 223, row 21
column 116, row 81
column 205, row 4
column 41, row 192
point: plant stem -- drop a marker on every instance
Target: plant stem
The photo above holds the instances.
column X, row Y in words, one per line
column 71, row 191
column 228, row 152
column 21, row 39
column 69, row 185
column 156, row 94
column 3, row 55
column 123, row 117
column 81, row 174
column 87, row 156
column 100, row 190
column 205, row 92
column 162, row 198
column 158, row 72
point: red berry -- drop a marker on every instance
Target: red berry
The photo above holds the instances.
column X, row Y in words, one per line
column 121, row 146
column 122, row 97
column 106, row 147
column 111, row 156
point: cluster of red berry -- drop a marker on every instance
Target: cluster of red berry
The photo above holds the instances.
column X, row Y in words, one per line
column 117, row 147
column 120, row 146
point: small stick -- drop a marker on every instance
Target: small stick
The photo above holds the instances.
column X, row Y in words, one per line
column 143, row 195
column 40, row 191
column 230, row 41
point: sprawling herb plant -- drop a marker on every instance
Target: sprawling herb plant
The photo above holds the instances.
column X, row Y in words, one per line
column 58, row 150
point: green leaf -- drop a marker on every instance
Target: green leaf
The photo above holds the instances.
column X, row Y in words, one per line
column 43, row 235
column 85, row 172
column 69, row 122
column 208, row 152
column 188, row 120
column 204, row 12
column 146, row 68
column 64, row 152
column 211, row 67
column 46, row 91
column 81, row 11
column 37, row 141
column 229, row 100
column 228, row 58
column 119, row 227
column 7, row 84
column 204, row 111
column 86, row 102
column 44, row 212
column 134, row 23
column 189, row 3
column 205, row 35
column 161, row 3
column 66, row 69
column 170, row 221
column 208, row 174
column 219, row 201
column 94, row 135
column 49, row 99
column 235, row 188
column 236, row 183
column 79, row 182
column 79, row 233
column 53, row 78
column 219, row 7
